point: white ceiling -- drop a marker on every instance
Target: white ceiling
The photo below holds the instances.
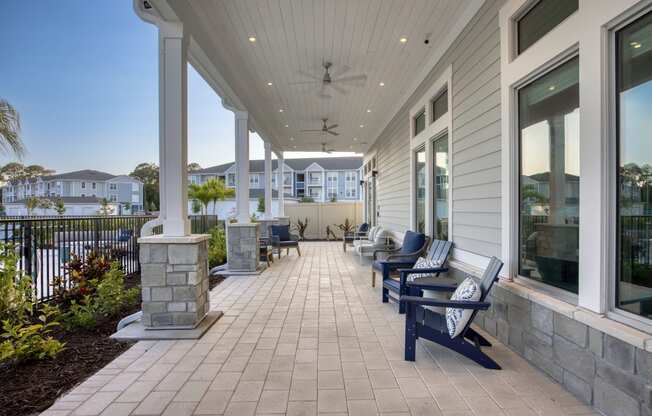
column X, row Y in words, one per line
column 298, row 35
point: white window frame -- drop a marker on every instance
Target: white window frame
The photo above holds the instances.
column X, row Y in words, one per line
column 434, row 130
column 332, row 185
column 350, row 184
column 113, row 186
column 585, row 32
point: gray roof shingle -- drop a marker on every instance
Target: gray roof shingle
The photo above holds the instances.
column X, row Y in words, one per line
column 258, row 165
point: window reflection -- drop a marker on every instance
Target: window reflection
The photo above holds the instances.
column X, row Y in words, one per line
column 420, row 203
column 549, row 177
column 634, row 87
column 440, row 158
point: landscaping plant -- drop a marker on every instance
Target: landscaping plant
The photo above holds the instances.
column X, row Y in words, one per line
column 347, row 228
column 301, row 227
column 217, row 247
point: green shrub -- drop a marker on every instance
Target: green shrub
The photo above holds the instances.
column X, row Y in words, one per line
column 217, row 247
column 23, row 341
column 111, row 295
column 80, row 314
column 16, row 293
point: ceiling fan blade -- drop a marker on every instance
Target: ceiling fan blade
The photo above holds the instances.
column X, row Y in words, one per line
column 322, row 92
column 334, row 133
column 311, row 131
column 334, row 126
column 340, row 70
column 352, row 80
column 338, row 89
column 304, row 83
column 309, row 75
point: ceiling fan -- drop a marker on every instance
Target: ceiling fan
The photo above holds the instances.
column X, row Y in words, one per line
column 325, row 128
column 334, row 81
column 326, row 150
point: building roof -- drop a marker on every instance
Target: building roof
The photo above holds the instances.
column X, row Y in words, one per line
column 85, row 174
column 258, row 165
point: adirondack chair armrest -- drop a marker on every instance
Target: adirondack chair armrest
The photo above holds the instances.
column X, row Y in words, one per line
column 411, row 256
column 407, row 272
column 443, row 287
column 460, row 304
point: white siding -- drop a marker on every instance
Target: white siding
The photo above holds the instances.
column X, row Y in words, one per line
column 475, row 154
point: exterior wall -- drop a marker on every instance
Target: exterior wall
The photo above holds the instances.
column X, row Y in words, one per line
column 71, row 210
column 226, row 209
column 324, row 214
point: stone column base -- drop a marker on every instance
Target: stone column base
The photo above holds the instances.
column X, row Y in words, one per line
column 242, row 252
column 174, row 280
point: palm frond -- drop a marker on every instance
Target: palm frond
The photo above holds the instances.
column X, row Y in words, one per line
column 10, row 130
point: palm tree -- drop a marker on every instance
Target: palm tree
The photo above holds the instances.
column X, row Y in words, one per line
column 31, row 203
column 201, row 194
column 218, row 192
column 10, row 129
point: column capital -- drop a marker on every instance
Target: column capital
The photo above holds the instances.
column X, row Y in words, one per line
column 169, row 29
column 241, row 115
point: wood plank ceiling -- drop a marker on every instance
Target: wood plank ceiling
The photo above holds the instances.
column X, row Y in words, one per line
column 295, row 36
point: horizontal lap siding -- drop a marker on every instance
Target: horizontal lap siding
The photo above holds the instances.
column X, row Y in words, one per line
column 475, row 154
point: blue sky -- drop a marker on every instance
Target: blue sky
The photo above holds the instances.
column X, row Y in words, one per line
column 84, row 78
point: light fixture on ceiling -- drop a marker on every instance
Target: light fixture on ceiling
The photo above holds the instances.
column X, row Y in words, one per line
column 291, row 139
column 551, row 88
column 270, row 84
column 355, row 139
column 403, row 39
column 280, row 110
column 294, row 147
column 362, row 126
column 382, row 84
column 252, row 39
column 350, row 147
column 368, row 110
column 635, row 44
column 287, row 125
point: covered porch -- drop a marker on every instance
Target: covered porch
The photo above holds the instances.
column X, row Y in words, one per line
column 309, row 336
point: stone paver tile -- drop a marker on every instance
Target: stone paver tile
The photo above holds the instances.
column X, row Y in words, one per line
column 213, row 403
column 96, row 403
column 413, row 388
column 329, row 362
column 354, row 370
column 403, row 369
column 121, row 382
column 180, row 409
column 173, row 381
column 255, row 372
column 302, row 409
column 449, row 400
column 358, row 389
column 56, row 413
column 331, row 401
column 303, row 390
column 273, row 401
column 305, row 371
column 192, row 391
column 247, row 391
column 282, row 363
column 329, row 348
column 240, row 409
column 330, row 380
column 225, row 381
column 137, row 391
column 423, row 407
column 305, row 356
column 382, row 379
column 205, row 372
column 154, row 403
column 362, row 407
column 390, row 400
column 119, row 409
column 278, row 380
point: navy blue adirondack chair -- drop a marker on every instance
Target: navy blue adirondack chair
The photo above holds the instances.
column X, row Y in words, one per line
column 414, row 245
column 283, row 239
column 438, row 252
column 425, row 323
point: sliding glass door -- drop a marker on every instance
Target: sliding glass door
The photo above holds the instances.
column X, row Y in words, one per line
column 440, row 184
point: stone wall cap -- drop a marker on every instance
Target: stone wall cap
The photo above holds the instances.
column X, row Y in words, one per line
column 166, row 239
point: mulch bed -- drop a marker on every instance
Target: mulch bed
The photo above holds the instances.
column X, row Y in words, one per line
column 31, row 387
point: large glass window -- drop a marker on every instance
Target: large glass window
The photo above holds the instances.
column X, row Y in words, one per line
column 541, row 19
column 420, row 182
column 440, row 105
column 634, row 100
column 549, row 177
column 440, row 165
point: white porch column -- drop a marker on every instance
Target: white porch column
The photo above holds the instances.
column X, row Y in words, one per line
column 242, row 166
column 281, row 183
column 268, row 180
column 173, row 129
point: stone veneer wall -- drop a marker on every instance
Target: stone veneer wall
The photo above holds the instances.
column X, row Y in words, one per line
column 242, row 250
column 174, row 280
column 612, row 375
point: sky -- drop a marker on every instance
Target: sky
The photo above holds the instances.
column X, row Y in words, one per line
column 84, row 79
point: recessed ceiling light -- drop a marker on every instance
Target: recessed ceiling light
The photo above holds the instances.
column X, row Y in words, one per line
column 403, row 39
column 287, row 125
column 362, row 126
column 270, row 84
column 280, row 110
column 355, row 139
column 368, row 110
column 382, row 84
column 635, row 45
column 252, row 39
column 350, row 147
column 551, row 88
column 294, row 147
column 291, row 139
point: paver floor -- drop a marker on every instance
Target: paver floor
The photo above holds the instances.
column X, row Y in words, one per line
column 310, row 336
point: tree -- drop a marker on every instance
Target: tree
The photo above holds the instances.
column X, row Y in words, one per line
column 148, row 174
column 105, row 208
column 218, row 191
column 34, row 171
column 59, row 206
column 196, row 206
column 10, row 141
column 200, row 193
column 194, row 166
column 12, row 171
column 44, row 204
column 31, row 203
column 261, row 204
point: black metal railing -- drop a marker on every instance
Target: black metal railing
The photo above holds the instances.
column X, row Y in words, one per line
column 45, row 245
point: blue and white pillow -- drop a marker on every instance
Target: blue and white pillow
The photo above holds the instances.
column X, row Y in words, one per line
column 456, row 319
column 423, row 263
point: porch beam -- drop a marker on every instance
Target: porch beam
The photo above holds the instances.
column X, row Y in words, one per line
column 173, row 128
column 281, row 184
column 268, row 180
column 242, row 166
